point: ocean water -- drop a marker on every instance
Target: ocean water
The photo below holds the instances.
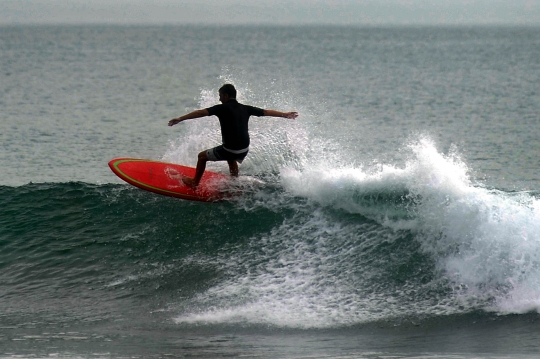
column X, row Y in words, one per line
column 397, row 217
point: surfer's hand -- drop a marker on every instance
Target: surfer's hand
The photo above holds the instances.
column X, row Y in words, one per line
column 291, row 115
column 174, row 121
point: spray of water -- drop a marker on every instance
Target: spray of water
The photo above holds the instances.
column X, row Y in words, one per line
column 485, row 242
column 480, row 246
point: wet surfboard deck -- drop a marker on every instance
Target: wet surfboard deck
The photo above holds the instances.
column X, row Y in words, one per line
column 166, row 179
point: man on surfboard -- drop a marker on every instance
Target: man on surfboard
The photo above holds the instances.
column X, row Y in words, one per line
column 233, row 119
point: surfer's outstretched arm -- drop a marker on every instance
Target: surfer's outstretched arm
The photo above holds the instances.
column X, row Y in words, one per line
column 195, row 114
column 274, row 113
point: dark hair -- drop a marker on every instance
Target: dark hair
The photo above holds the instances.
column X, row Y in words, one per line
column 228, row 90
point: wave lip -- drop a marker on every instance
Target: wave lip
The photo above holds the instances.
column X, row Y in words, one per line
column 344, row 247
column 479, row 247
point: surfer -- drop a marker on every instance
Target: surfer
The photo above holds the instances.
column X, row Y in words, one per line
column 233, row 119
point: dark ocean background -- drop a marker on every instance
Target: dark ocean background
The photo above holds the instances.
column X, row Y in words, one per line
column 398, row 216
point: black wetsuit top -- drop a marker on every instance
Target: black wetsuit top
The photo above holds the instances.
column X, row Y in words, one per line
column 233, row 119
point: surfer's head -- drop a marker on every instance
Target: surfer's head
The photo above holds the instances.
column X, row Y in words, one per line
column 227, row 92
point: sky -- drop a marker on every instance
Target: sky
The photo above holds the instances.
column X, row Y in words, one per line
column 279, row 12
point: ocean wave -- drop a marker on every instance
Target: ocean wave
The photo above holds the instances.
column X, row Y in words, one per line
column 317, row 247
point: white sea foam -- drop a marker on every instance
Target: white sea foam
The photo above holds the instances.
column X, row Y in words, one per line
column 309, row 272
column 485, row 240
column 301, row 275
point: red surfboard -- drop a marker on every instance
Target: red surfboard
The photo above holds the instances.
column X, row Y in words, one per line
column 166, row 179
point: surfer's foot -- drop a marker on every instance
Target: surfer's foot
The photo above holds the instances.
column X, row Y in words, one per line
column 190, row 182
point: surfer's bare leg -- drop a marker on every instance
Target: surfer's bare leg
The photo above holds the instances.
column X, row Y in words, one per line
column 233, row 167
column 199, row 171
